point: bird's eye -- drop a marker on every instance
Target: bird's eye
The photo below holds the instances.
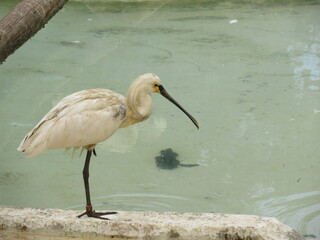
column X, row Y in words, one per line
column 156, row 85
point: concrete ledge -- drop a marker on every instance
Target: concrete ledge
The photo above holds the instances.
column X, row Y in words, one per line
column 60, row 224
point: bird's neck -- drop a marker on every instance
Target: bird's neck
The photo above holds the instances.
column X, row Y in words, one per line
column 139, row 107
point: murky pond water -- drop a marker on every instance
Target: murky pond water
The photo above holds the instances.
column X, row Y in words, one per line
column 249, row 72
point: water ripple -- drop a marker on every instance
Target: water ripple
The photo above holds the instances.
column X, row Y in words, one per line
column 295, row 209
column 136, row 202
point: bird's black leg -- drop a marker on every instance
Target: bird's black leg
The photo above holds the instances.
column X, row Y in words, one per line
column 89, row 212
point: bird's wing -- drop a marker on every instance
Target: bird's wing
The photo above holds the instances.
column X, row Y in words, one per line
column 92, row 99
column 80, row 119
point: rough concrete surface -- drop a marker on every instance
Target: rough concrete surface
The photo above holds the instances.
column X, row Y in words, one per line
column 61, row 224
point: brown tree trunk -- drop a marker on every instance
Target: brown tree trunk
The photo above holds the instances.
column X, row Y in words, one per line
column 25, row 20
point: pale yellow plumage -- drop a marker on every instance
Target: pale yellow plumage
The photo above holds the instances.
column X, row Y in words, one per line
column 88, row 117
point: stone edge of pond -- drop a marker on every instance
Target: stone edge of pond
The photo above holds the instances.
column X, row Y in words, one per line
column 142, row 225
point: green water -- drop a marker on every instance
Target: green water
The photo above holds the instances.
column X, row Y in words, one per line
column 249, row 72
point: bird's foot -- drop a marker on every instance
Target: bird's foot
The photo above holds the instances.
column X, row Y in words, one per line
column 91, row 213
column 99, row 215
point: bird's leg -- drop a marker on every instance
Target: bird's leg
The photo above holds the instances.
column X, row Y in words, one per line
column 89, row 212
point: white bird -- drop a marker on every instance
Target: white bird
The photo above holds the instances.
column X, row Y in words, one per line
column 88, row 117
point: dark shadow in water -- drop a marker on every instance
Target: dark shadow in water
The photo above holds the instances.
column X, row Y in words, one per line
column 168, row 160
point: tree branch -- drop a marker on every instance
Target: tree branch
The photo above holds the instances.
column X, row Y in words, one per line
column 24, row 21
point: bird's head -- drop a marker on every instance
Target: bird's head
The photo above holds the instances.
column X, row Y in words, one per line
column 146, row 83
column 150, row 83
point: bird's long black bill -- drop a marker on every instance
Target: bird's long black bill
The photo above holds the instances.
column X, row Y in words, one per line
column 164, row 93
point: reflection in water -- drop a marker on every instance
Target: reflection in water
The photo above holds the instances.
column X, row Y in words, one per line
column 306, row 61
column 124, row 141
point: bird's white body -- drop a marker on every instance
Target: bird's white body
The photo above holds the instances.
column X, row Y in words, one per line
column 88, row 117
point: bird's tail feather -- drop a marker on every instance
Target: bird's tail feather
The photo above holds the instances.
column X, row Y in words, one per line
column 33, row 144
